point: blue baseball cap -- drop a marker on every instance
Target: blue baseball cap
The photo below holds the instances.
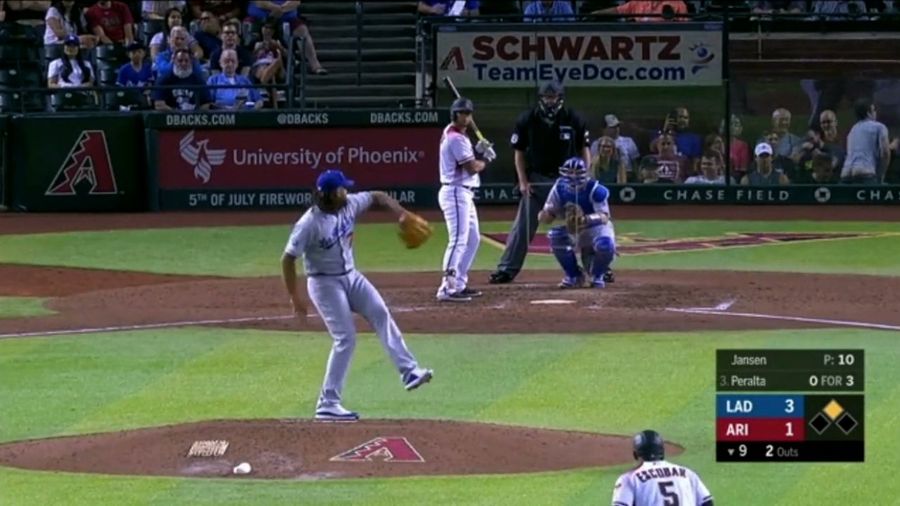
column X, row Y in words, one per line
column 72, row 40
column 331, row 180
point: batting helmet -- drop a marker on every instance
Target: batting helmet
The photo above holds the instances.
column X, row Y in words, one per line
column 461, row 104
column 648, row 445
column 574, row 171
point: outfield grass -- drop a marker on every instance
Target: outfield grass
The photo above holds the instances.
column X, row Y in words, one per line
column 613, row 383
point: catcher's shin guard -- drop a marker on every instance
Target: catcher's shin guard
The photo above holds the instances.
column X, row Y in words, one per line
column 563, row 248
column 604, row 253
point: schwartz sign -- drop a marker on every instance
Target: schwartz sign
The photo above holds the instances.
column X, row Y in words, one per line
column 603, row 54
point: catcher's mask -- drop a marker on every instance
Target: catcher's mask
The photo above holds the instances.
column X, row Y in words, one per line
column 648, row 446
column 574, row 172
column 331, row 190
column 550, row 100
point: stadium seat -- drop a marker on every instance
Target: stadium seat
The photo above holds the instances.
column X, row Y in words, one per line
column 126, row 98
column 72, row 100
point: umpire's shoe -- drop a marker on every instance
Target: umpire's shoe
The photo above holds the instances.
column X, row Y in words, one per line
column 609, row 277
column 416, row 378
column 500, row 277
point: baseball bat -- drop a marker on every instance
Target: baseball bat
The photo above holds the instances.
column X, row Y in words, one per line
column 452, row 87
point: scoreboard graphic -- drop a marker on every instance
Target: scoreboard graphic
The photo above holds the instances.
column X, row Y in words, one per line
column 817, row 414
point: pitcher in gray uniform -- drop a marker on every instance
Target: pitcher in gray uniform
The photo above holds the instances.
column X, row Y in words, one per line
column 324, row 237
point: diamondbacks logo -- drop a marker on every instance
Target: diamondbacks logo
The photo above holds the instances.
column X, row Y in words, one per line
column 87, row 165
column 199, row 156
column 385, row 449
column 454, row 60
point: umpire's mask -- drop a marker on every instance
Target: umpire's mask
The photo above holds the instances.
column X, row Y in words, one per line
column 550, row 101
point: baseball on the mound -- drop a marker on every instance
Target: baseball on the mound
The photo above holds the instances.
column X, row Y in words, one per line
column 242, row 468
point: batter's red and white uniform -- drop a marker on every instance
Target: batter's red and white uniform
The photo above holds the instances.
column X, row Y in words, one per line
column 456, row 199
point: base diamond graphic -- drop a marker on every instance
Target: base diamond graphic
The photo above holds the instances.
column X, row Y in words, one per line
column 847, row 423
column 833, row 409
column 819, row 423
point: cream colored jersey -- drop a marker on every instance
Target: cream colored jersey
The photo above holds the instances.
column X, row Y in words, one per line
column 456, row 149
column 660, row 483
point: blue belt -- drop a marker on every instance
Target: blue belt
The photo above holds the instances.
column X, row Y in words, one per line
column 321, row 274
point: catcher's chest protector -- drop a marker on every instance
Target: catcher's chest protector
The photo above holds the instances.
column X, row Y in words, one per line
column 583, row 197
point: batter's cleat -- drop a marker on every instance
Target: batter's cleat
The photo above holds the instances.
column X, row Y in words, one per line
column 609, row 277
column 500, row 277
column 598, row 282
column 570, row 282
column 453, row 297
column 471, row 292
column 336, row 414
column 416, row 378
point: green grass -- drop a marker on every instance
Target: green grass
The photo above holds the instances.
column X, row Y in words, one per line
column 254, row 251
column 63, row 386
column 18, row 307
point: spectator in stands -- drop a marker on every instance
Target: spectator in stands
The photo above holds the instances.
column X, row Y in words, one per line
column 178, row 39
column 232, row 98
column 25, row 12
column 457, row 8
column 230, row 40
column 606, row 166
column 712, row 166
column 160, row 40
column 648, row 11
column 739, row 150
column 187, row 89
column 64, row 18
column 71, row 70
column 269, row 55
column 111, row 22
column 868, row 147
column 628, row 150
column 714, row 142
column 777, row 7
column 667, row 166
column 159, row 9
column 821, row 171
column 785, row 142
column 826, row 9
column 225, row 10
column 548, row 11
column 688, row 144
column 285, row 11
column 818, row 141
column 138, row 72
column 207, row 35
column 764, row 172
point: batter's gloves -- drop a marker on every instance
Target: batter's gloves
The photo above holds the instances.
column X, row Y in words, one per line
column 414, row 230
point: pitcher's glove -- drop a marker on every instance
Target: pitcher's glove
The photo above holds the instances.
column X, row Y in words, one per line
column 575, row 219
column 414, row 230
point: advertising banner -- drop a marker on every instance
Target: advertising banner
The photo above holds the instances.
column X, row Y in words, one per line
column 286, row 162
column 602, row 54
column 73, row 163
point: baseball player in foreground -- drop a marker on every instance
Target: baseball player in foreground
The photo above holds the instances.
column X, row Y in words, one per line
column 657, row 482
column 460, row 166
column 324, row 237
column 582, row 202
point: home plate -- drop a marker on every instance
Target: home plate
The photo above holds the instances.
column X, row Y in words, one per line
column 553, row 301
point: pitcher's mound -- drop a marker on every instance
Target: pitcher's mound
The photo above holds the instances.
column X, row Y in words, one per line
column 303, row 449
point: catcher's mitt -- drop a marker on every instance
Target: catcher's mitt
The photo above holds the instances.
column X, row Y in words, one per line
column 414, row 230
column 574, row 218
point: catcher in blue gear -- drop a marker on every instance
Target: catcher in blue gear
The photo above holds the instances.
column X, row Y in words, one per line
column 582, row 202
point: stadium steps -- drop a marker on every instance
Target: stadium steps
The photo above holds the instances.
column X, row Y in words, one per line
column 369, row 49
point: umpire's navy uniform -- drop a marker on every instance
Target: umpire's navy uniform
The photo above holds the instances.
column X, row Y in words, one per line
column 548, row 135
